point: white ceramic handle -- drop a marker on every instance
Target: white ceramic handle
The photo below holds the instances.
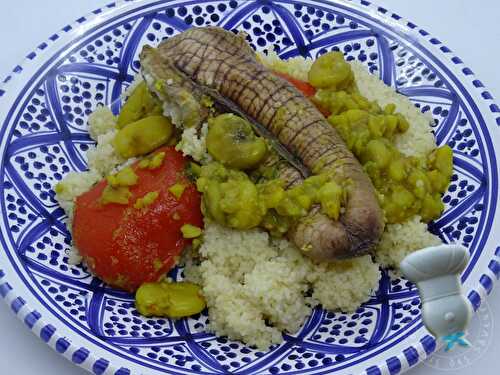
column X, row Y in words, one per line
column 436, row 271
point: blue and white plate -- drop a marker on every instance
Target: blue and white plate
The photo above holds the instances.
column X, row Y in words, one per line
column 44, row 105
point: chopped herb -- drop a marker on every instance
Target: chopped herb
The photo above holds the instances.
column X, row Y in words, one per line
column 177, row 190
column 146, row 200
column 119, row 195
column 125, row 177
column 190, row 231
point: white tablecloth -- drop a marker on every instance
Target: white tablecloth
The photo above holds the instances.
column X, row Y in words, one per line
column 469, row 28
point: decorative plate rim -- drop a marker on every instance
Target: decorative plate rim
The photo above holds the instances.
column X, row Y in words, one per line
column 422, row 349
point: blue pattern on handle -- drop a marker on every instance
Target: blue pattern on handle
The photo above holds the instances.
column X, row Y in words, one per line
column 411, row 355
column 494, row 266
column 394, row 365
column 17, row 304
column 62, row 345
column 373, row 370
column 80, row 355
column 100, row 366
column 47, row 332
column 487, row 283
column 4, row 289
column 32, row 318
column 428, row 343
column 475, row 299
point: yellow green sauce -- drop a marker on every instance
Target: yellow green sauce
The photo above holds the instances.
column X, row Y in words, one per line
column 232, row 199
column 407, row 186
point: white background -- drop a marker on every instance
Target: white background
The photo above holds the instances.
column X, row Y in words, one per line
column 469, row 28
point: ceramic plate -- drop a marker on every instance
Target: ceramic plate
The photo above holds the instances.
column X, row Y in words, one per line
column 45, row 102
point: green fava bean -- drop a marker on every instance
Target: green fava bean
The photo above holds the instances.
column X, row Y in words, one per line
column 442, row 160
column 143, row 136
column 231, row 141
column 397, row 170
column 377, row 151
column 174, row 300
column 337, row 102
column 331, row 71
column 432, row 207
column 138, row 105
